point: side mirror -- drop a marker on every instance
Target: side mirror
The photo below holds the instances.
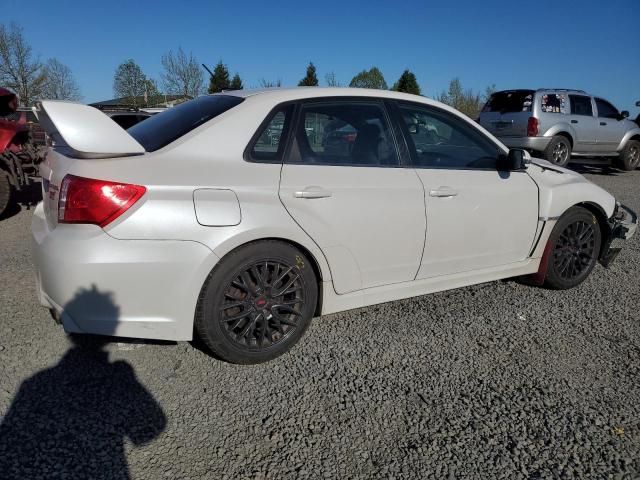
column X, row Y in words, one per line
column 624, row 114
column 638, row 103
column 517, row 159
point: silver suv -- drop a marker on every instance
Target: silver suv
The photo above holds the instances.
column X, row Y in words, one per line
column 559, row 123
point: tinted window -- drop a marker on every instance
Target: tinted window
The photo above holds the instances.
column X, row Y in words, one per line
column 606, row 110
column 269, row 145
column 581, row 105
column 165, row 127
column 510, row 101
column 344, row 133
column 442, row 140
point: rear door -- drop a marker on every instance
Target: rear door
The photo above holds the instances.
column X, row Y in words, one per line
column 507, row 113
column 584, row 123
column 477, row 217
column 610, row 129
column 344, row 184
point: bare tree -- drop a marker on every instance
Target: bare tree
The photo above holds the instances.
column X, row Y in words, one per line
column 59, row 83
column 331, row 80
column 129, row 82
column 182, row 74
column 18, row 69
column 270, row 83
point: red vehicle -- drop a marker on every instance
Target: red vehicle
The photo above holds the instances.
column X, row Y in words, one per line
column 18, row 155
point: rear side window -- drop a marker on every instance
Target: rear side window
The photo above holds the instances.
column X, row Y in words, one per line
column 165, row 127
column 344, row 133
column 581, row 105
column 510, row 101
column 553, row 103
column 269, row 144
column 606, row 110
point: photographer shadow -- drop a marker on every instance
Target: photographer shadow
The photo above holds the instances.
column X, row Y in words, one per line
column 72, row 419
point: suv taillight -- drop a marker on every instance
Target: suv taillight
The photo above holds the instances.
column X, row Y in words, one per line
column 87, row 200
column 532, row 127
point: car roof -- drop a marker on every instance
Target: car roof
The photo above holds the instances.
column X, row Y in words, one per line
column 279, row 94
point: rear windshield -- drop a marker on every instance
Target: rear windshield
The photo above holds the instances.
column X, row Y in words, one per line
column 163, row 128
column 510, row 101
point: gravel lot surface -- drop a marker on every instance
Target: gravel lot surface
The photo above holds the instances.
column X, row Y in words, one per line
column 499, row 380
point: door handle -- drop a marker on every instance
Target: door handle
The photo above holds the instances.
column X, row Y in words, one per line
column 574, row 121
column 443, row 192
column 603, row 123
column 316, row 193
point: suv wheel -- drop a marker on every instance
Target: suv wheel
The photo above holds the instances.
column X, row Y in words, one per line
column 558, row 151
column 257, row 302
column 630, row 155
column 575, row 246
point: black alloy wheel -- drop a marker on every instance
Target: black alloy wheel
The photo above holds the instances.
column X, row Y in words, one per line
column 575, row 247
column 257, row 302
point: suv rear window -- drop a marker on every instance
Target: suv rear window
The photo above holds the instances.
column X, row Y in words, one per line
column 163, row 128
column 510, row 101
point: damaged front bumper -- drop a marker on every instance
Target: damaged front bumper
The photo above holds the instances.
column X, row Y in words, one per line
column 622, row 226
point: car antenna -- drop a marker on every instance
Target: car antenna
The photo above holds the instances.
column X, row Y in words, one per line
column 207, row 69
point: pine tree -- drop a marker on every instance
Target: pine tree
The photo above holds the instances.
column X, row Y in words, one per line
column 407, row 83
column 220, row 79
column 311, row 79
column 236, row 83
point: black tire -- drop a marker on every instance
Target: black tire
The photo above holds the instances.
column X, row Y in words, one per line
column 6, row 193
column 575, row 247
column 264, row 280
column 558, row 151
column 630, row 155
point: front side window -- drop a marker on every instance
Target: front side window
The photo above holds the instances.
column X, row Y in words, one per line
column 345, row 134
column 606, row 110
column 581, row 105
column 441, row 140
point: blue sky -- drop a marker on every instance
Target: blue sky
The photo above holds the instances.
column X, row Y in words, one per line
column 590, row 44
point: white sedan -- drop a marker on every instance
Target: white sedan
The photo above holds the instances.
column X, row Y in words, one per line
column 240, row 216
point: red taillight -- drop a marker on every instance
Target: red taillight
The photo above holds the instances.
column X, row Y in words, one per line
column 87, row 200
column 532, row 127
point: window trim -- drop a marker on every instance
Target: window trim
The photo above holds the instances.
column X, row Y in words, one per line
column 381, row 102
column 286, row 134
column 572, row 95
column 413, row 154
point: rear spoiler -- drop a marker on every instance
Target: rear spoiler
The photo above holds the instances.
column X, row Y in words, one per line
column 85, row 130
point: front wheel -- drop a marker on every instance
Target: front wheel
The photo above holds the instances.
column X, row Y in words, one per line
column 575, row 247
column 558, row 151
column 257, row 302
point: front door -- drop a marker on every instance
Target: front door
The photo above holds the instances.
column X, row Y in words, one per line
column 343, row 184
column 611, row 130
column 477, row 217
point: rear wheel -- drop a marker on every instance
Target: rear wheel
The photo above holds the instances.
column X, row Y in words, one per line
column 558, row 151
column 257, row 302
column 6, row 193
column 575, row 246
column 630, row 155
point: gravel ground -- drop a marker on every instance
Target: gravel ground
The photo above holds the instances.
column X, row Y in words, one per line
column 499, row 380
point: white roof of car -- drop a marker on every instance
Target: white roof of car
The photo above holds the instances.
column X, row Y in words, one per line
column 296, row 93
